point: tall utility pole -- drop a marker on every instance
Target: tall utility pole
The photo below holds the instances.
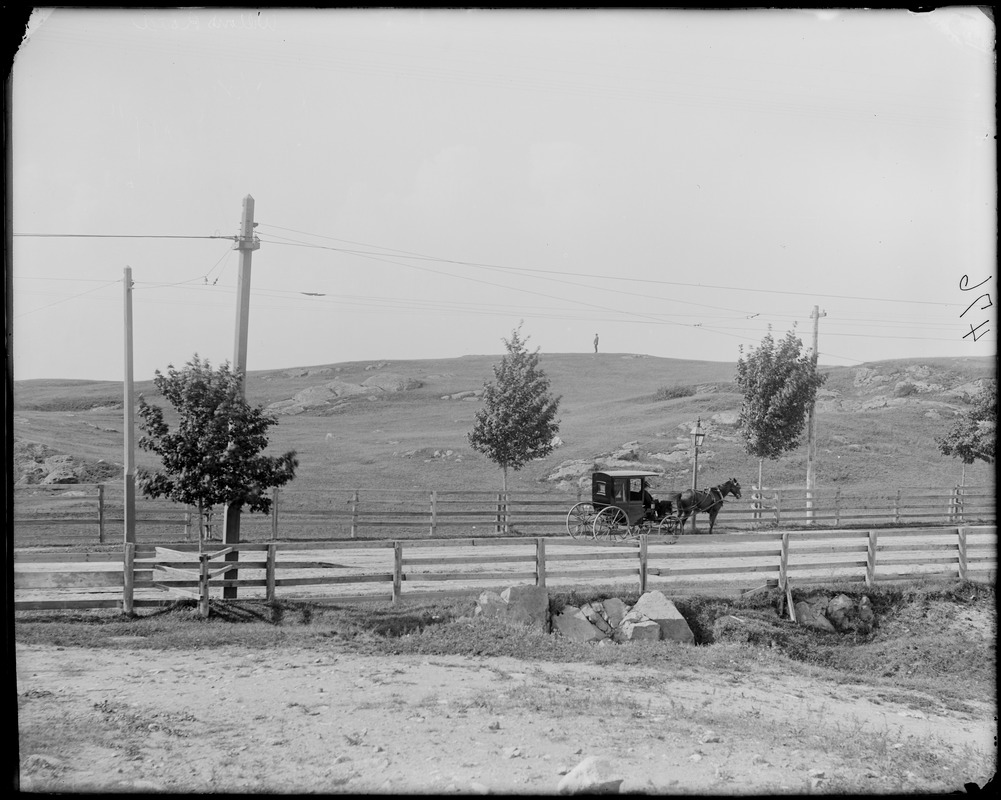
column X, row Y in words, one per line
column 811, row 426
column 246, row 244
column 130, row 421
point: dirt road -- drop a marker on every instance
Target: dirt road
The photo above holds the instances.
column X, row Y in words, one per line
column 315, row 720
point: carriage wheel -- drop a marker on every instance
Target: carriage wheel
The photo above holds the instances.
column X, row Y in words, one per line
column 579, row 520
column 668, row 525
column 611, row 523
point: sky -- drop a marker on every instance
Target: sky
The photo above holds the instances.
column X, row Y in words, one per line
column 679, row 183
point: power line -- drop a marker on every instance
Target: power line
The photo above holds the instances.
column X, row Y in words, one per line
column 118, row 236
column 459, row 262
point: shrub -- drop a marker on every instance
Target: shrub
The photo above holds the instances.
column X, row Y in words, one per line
column 674, row 392
column 905, row 390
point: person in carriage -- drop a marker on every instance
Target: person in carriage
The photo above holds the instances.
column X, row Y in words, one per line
column 654, row 509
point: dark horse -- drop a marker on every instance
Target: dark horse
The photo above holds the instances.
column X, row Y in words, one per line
column 693, row 501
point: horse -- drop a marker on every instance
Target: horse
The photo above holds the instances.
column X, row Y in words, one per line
column 693, row 501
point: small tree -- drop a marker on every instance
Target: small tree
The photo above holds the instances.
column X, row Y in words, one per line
column 215, row 454
column 973, row 435
column 518, row 420
column 780, row 384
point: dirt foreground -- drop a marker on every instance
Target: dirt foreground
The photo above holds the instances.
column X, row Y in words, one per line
column 308, row 720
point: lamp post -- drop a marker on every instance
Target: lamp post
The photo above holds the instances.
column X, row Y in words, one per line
column 698, row 436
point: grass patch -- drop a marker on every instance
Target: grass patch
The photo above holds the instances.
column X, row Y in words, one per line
column 673, row 392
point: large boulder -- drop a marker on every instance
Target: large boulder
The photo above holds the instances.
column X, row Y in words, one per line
column 593, row 775
column 391, row 382
column 812, row 615
column 841, row 612
column 528, row 605
column 847, row 616
column 572, row 623
column 517, row 605
column 345, row 389
column 654, row 605
column 490, row 604
column 636, row 627
column 614, row 611
column 595, row 613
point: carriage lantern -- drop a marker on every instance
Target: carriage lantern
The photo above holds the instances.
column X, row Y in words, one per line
column 698, row 436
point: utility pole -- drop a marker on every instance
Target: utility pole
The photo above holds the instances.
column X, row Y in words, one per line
column 246, row 244
column 129, row 424
column 811, row 426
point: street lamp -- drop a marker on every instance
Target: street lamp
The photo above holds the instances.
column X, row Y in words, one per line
column 698, row 436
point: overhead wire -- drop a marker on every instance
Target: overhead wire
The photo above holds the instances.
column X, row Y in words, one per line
column 380, row 253
column 118, row 236
column 718, row 327
column 623, row 278
column 67, row 299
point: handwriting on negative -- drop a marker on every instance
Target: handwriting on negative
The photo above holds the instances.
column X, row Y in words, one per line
column 964, row 286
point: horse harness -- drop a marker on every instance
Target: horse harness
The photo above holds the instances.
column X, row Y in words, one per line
column 716, row 502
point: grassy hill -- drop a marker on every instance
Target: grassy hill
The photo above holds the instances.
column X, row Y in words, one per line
column 875, row 423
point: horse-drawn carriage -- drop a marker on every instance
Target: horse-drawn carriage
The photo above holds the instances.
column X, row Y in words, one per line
column 621, row 505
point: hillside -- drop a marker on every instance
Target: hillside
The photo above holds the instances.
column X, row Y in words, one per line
column 402, row 425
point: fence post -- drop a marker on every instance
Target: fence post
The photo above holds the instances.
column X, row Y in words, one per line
column 960, row 502
column 784, row 561
column 128, row 578
column 354, row 513
column 961, row 543
column 643, row 562
column 497, row 521
column 755, row 503
column 397, row 569
column 100, row 513
column 187, row 523
column 837, row 507
column 434, row 513
column 274, row 513
column 896, row 509
column 269, row 573
column 778, row 504
column 870, row 560
column 540, row 562
column 203, row 584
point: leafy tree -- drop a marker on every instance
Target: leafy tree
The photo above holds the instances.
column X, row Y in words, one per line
column 518, row 420
column 780, row 384
column 215, row 454
column 972, row 436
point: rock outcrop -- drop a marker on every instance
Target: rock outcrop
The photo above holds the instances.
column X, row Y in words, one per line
column 328, row 394
column 593, row 775
column 600, row 621
column 613, row 620
column 839, row 614
column 519, row 605
column 655, row 606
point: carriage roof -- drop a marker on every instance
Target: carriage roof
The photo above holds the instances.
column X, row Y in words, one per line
column 626, row 473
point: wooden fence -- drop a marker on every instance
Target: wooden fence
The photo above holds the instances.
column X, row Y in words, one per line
column 390, row 570
column 78, row 513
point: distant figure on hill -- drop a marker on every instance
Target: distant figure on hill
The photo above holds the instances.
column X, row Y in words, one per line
column 596, row 343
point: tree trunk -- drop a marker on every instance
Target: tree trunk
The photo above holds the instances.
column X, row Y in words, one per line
column 504, row 468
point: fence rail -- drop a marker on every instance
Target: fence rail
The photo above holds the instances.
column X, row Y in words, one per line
column 93, row 513
column 346, row 571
